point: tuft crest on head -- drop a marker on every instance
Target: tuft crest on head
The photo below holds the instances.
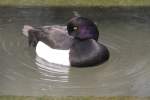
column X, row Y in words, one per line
column 82, row 28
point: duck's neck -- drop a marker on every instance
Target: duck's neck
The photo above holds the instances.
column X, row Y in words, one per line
column 81, row 42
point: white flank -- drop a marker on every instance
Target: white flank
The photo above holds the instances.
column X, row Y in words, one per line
column 52, row 55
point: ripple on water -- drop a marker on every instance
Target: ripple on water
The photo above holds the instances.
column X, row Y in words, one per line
column 52, row 72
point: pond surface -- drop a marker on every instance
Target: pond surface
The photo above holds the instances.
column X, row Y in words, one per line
column 125, row 31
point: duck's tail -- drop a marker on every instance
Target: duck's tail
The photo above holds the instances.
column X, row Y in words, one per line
column 26, row 29
column 32, row 33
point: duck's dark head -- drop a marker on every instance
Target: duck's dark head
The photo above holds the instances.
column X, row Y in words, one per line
column 82, row 28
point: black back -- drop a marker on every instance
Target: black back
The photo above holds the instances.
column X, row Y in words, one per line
column 54, row 36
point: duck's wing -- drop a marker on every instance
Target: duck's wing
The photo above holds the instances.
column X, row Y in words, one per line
column 55, row 28
column 55, row 36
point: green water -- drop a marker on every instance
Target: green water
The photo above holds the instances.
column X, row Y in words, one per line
column 76, row 3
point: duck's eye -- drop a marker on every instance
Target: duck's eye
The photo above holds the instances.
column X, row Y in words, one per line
column 75, row 28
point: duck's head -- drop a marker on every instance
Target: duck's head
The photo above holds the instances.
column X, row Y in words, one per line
column 82, row 28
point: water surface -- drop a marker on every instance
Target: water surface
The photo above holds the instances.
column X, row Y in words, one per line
column 125, row 31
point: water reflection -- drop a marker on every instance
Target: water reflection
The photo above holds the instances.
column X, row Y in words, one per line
column 52, row 72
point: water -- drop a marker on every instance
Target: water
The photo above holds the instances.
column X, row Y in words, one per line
column 125, row 31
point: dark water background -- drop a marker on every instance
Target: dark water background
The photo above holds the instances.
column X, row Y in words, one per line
column 125, row 31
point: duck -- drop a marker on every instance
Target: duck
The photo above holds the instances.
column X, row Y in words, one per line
column 75, row 44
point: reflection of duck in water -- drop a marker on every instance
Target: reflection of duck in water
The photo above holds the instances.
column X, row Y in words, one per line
column 75, row 45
